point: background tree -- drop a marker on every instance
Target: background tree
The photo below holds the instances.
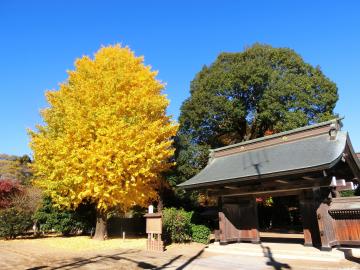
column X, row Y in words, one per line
column 15, row 168
column 106, row 137
column 242, row 96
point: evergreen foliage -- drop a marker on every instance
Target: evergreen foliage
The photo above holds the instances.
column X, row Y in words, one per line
column 51, row 218
column 14, row 221
column 242, row 96
column 177, row 225
column 200, row 234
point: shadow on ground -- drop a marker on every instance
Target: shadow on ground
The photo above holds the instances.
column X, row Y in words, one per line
column 349, row 255
column 271, row 261
column 79, row 262
column 190, row 260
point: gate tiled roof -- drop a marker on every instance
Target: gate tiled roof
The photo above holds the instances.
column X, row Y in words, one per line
column 315, row 151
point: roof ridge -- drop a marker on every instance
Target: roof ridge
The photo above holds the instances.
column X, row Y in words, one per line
column 276, row 135
column 277, row 144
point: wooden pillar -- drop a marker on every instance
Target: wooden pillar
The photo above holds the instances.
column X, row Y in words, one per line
column 308, row 213
column 323, row 227
column 222, row 220
column 326, row 229
column 255, row 229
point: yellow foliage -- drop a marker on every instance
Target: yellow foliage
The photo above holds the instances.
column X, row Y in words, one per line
column 106, row 137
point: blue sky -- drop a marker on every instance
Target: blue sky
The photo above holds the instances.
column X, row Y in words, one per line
column 41, row 39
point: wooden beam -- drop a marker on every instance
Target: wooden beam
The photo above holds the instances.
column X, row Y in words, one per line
column 309, row 178
column 282, row 181
column 231, row 187
column 350, row 160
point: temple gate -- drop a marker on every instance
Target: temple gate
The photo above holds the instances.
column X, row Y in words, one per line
column 313, row 163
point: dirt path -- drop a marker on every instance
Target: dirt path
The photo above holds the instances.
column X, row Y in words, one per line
column 31, row 254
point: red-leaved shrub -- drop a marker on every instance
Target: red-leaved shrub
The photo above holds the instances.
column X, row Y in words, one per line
column 8, row 189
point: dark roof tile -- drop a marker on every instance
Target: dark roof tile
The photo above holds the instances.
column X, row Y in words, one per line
column 306, row 153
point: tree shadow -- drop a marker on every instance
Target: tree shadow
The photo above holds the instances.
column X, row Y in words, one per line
column 349, row 255
column 78, row 262
column 165, row 265
column 272, row 262
column 190, row 260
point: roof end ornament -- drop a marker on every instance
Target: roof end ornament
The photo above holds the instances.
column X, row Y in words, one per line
column 334, row 128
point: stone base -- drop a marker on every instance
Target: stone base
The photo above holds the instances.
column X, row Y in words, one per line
column 326, row 248
column 155, row 245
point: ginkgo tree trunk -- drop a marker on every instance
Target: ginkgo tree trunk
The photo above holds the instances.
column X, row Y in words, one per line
column 106, row 137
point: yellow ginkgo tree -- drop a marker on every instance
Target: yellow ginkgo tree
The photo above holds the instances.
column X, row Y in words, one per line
column 106, row 137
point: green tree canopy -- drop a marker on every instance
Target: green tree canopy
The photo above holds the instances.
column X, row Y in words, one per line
column 246, row 95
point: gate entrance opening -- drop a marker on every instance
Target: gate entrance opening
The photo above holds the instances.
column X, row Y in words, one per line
column 279, row 219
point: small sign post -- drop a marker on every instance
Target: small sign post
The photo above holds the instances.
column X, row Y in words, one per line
column 154, row 231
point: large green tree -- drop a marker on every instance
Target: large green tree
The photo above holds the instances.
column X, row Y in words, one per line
column 242, row 96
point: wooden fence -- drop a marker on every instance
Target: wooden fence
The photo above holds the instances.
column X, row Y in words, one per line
column 131, row 226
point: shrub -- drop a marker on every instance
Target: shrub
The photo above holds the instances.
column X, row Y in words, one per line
column 16, row 219
column 200, row 234
column 63, row 221
column 177, row 225
column 8, row 189
column 347, row 193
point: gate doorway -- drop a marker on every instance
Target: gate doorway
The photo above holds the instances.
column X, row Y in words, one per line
column 279, row 219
